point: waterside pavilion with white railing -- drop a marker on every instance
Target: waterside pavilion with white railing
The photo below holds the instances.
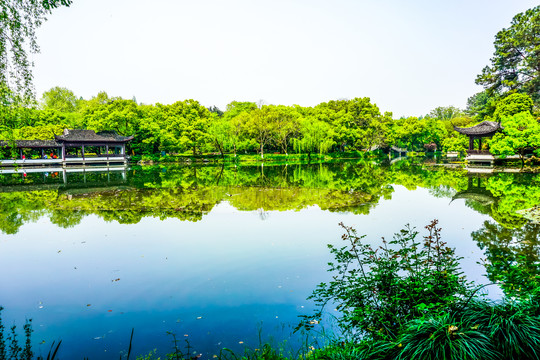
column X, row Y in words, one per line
column 479, row 131
column 73, row 147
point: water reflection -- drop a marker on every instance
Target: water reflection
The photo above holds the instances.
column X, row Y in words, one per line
column 196, row 247
column 512, row 256
column 190, row 192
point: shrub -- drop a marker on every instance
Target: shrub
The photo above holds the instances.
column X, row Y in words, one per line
column 9, row 344
column 379, row 290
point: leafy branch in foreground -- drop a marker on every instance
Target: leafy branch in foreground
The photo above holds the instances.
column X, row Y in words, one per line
column 379, row 290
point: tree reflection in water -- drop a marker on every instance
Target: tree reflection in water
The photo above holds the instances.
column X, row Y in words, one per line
column 512, row 256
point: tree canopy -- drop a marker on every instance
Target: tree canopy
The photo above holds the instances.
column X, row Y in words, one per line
column 59, row 98
column 19, row 20
column 515, row 65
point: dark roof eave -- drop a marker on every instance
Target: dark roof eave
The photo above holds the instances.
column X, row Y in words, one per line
column 94, row 141
column 466, row 131
column 31, row 144
column 485, row 128
column 105, row 140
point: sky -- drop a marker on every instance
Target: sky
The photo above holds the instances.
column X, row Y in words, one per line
column 408, row 57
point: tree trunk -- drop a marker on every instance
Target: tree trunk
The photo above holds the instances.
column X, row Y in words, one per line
column 220, row 149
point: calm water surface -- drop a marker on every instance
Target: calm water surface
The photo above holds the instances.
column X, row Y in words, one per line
column 218, row 255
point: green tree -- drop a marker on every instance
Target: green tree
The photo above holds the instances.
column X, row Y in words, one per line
column 187, row 126
column 315, row 136
column 515, row 65
column 521, row 132
column 238, row 116
column 480, row 105
column 456, row 143
column 286, row 125
column 413, row 133
column 261, row 127
column 219, row 131
column 150, row 133
column 60, row 99
column 119, row 115
column 445, row 113
column 353, row 122
column 513, row 104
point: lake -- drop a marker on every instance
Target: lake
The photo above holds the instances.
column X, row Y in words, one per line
column 220, row 256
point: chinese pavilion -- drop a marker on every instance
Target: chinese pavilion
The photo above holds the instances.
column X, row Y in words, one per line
column 73, row 147
column 479, row 131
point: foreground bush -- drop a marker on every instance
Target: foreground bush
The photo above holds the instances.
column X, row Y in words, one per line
column 410, row 300
column 379, row 290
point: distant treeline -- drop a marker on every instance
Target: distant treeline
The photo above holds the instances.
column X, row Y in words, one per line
column 248, row 127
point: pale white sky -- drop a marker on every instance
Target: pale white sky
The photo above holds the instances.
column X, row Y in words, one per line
column 407, row 56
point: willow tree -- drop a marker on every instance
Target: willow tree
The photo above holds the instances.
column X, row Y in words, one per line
column 19, row 20
column 315, row 136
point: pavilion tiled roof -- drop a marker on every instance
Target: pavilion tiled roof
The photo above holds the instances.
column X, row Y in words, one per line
column 31, row 144
column 485, row 128
column 91, row 136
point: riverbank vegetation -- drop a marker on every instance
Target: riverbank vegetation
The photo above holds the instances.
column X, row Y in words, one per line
column 353, row 126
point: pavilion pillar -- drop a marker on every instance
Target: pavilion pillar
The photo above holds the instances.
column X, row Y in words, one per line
column 107, row 149
column 42, row 153
column 480, row 143
column 471, row 143
column 82, row 151
column 63, row 151
column 20, row 151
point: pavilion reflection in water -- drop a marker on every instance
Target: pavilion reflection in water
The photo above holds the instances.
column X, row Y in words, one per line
column 59, row 178
column 476, row 190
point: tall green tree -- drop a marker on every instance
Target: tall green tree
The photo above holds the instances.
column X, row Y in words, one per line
column 60, row 99
column 188, row 124
column 515, row 65
column 286, row 125
column 480, row 105
column 219, row 131
column 261, row 127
